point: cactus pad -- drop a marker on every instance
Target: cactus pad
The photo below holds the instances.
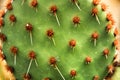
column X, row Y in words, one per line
column 58, row 40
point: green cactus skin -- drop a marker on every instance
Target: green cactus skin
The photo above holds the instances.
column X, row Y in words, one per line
column 68, row 57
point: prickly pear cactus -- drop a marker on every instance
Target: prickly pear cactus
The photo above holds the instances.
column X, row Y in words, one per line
column 58, row 40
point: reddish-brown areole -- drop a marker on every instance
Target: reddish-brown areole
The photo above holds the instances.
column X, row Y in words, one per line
column 2, row 56
column 76, row 20
column 73, row 73
column 27, row 77
column 96, row 2
column 34, row 3
column 72, row 43
column 50, row 33
column 53, row 9
column 14, row 50
column 94, row 35
column 94, row 11
column 96, row 77
column 106, row 52
column 88, row 59
column 116, row 42
column 52, row 61
column 103, row 7
column 3, row 37
column 47, row 78
column 1, row 22
column 109, row 17
column 12, row 18
column 108, row 27
column 110, row 69
column 29, row 27
column 112, row 21
column 9, row 68
column 116, row 32
column 9, row 6
column 74, row 1
column 32, row 55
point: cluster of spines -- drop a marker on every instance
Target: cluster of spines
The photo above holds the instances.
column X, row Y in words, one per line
column 50, row 34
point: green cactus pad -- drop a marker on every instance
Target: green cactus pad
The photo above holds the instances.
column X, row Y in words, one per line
column 51, row 40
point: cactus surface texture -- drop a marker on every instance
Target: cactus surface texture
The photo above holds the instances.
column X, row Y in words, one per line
column 58, row 40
